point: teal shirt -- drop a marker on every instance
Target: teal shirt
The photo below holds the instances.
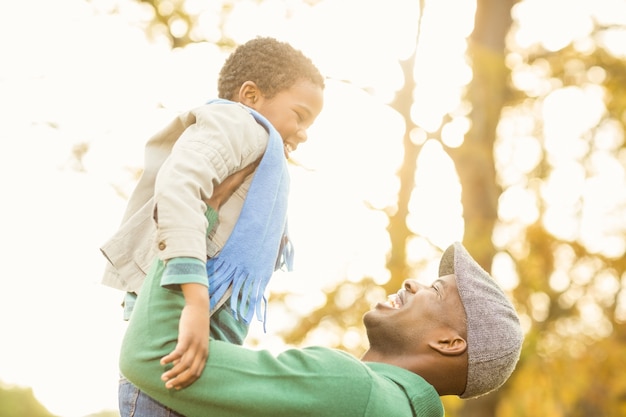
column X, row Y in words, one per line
column 241, row 382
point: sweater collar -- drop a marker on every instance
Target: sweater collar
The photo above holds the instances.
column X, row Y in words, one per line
column 423, row 397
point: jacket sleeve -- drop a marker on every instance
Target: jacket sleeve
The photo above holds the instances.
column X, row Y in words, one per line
column 223, row 139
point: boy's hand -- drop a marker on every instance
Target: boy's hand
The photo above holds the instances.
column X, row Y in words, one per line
column 192, row 350
column 223, row 191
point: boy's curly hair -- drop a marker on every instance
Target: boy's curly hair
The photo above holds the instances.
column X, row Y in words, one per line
column 273, row 65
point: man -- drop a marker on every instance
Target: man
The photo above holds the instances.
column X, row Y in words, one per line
column 460, row 336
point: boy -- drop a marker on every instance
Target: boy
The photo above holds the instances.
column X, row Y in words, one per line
column 270, row 94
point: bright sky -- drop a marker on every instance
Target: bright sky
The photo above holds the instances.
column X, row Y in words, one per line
column 76, row 77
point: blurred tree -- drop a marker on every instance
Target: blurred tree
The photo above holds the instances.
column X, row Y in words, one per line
column 572, row 279
column 175, row 20
column 487, row 94
column 20, row 402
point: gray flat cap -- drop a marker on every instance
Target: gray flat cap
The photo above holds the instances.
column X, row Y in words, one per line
column 494, row 334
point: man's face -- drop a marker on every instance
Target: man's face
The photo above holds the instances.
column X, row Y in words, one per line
column 292, row 112
column 415, row 315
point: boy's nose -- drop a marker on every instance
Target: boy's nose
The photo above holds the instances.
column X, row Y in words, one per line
column 302, row 136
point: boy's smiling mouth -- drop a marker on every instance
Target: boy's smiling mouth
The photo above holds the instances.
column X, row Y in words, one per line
column 288, row 149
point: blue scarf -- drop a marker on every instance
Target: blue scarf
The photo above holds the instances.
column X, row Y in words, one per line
column 258, row 244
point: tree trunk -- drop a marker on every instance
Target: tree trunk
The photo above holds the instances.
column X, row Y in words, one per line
column 398, row 230
column 474, row 160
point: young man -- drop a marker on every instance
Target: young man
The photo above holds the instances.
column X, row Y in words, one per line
column 270, row 94
column 461, row 336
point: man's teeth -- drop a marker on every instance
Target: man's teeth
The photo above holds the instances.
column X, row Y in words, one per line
column 288, row 147
column 394, row 301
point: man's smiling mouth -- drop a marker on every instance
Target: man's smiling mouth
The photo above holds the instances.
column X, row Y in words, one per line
column 394, row 301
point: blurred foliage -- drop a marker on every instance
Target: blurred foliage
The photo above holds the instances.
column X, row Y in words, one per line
column 569, row 292
column 105, row 413
column 20, row 402
column 172, row 19
column 180, row 22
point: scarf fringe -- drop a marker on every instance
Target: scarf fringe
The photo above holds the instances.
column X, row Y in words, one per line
column 251, row 291
column 285, row 253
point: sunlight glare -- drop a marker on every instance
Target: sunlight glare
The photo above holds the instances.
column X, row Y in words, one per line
column 441, row 69
column 620, row 304
column 538, row 19
column 568, row 113
column 453, row 133
column 562, row 193
column 518, row 204
column 559, row 280
column 435, row 209
column 540, row 305
column 615, row 41
column 605, row 288
column 504, row 272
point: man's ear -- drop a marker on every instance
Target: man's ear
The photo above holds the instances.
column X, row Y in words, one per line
column 449, row 345
column 249, row 93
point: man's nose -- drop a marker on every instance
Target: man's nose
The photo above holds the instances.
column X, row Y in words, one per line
column 412, row 286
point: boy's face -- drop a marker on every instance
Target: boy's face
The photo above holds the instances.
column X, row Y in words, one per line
column 290, row 111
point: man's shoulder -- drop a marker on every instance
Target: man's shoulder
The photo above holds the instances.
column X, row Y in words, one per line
column 331, row 360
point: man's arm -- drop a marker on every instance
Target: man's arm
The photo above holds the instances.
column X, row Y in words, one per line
column 239, row 381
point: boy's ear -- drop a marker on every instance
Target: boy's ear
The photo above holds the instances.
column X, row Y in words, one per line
column 449, row 345
column 249, row 93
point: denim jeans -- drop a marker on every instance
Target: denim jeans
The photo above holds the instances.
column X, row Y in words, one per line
column 135, row 403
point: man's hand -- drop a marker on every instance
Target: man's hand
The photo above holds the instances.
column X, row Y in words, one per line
column 223, row 191
column 192, row 350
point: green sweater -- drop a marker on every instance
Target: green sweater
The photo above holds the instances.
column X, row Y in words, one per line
column 241, row 382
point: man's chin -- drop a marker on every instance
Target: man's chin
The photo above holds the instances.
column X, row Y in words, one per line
column 373, row 318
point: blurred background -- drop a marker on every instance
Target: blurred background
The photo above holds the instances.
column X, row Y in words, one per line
column 498, row 123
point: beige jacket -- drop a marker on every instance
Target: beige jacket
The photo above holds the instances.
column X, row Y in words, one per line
column 165, row 213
